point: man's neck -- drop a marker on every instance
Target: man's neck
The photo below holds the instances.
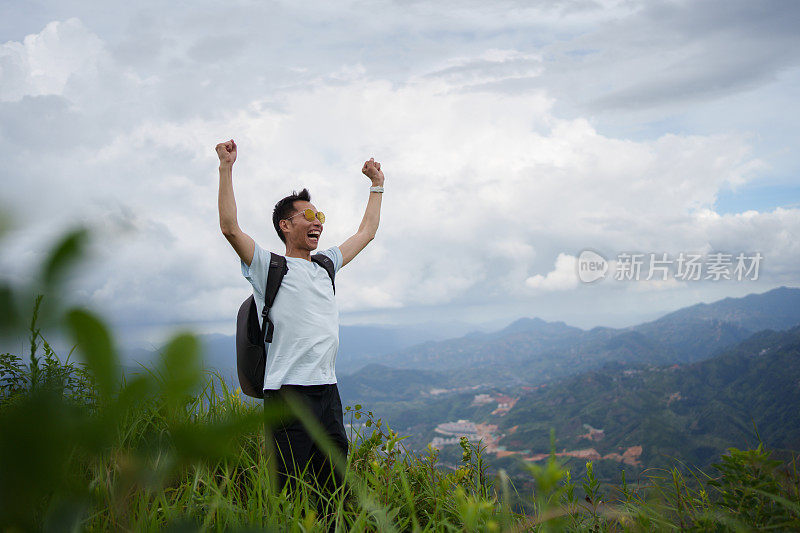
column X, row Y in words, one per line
column 298, row 253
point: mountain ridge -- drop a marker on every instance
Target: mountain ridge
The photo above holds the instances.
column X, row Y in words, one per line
column 693, row 411
column 689, row 334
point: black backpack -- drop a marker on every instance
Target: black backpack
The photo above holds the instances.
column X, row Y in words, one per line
column 251, row 356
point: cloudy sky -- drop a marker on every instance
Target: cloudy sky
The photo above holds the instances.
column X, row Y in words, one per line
column 513, row 135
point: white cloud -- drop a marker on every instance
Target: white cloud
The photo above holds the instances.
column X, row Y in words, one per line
column 487, row 179
column 44, row 63
column 464, row 173
column 564, row 276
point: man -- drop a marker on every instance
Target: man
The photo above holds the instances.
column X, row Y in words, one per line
column 302, row 354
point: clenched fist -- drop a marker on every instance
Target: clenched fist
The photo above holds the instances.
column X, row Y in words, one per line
column 372, row 170
column 227, row 153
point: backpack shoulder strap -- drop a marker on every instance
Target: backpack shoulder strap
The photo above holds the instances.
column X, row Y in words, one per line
column 327, row 263
column 277, row 269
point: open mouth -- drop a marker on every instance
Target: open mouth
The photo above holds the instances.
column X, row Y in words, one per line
column 314, row 235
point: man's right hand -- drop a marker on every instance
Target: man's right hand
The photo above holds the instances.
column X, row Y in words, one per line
column 227, row 153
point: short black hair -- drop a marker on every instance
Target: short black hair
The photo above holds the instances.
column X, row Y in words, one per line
column 284, row 209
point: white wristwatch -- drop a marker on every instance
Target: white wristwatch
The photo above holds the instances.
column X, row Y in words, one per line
column 376, row 188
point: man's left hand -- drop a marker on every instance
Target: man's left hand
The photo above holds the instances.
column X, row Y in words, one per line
column 372, row 170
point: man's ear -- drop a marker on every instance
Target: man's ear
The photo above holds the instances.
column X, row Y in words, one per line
column 284, row 225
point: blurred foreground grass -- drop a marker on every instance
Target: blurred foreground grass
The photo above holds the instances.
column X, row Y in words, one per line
column 83, row 447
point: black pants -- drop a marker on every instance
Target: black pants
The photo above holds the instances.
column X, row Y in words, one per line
column 294, row 446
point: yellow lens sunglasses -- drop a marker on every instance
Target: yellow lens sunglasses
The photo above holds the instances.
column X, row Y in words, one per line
column 310, row 215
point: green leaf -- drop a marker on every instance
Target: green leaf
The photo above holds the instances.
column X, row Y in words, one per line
column 64, row 255
column 214, row 440
column 65, row 513
column 137, row 389
column 181, row 367
column 94, row 341
column 36, row 440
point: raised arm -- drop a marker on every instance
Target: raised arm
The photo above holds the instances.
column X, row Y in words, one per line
column 372, row 216
column 241, row 242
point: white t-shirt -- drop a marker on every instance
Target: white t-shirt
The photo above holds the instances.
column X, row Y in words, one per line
column 306, row 336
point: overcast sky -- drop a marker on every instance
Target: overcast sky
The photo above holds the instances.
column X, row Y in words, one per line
column 513, row 135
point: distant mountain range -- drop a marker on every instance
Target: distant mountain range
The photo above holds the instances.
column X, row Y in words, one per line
column 628, row 416
column 691, row 412
column 532, row 351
